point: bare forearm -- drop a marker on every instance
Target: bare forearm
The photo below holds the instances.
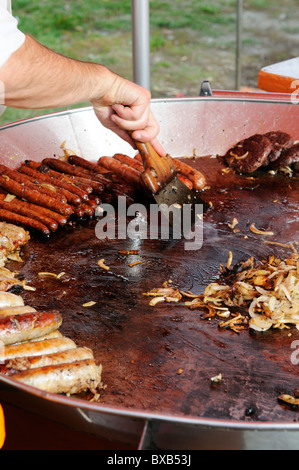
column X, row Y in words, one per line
column 36, row 77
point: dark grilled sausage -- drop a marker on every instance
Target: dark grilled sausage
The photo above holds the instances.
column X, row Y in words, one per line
column 185, row 180
column 65, row 167
column 60, row 219
column 18, row 207
column 83, row 163
column 56, row 178
column 70, row 196
column 94, row 199
column 79, row 212
column 34, row 196
column 13, row 218
column 125, row 172
column 91, row 169
column 93, row 202
column 116, row 193
column 43, row 168
column 80, row 174
column 107, row 197
column 29, row 182
column 88, row 209
column 197, row 178
column 190, row 177
column 129, row 161
column 97, row 186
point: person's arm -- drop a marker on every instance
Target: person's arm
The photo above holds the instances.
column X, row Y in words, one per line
column 37, row 77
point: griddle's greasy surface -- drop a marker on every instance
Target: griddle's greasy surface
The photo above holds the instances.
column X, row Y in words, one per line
column 143, row 348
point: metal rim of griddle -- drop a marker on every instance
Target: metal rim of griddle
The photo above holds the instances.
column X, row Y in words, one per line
column 150, row 416
column 215, row 95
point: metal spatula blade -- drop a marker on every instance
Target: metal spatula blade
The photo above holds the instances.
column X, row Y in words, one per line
column 173, row 197
column 180, row 205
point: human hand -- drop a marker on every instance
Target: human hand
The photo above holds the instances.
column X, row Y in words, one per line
column 125, row 109
column 119, row 104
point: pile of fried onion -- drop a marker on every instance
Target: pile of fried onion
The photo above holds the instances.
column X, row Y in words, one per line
column 255, row 294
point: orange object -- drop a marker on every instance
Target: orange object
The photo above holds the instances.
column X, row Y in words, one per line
column 2, row 427
column 282, row 77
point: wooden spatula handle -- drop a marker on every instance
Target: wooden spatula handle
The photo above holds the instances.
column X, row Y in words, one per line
column 158, row 170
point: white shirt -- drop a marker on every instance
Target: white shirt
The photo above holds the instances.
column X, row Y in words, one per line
column 11, row 38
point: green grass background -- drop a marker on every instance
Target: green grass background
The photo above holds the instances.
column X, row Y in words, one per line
column 191, row 40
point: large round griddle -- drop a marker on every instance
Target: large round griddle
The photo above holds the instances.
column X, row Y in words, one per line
column 147, row 402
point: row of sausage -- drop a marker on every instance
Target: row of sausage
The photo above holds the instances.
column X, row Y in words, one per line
column 43, row 196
